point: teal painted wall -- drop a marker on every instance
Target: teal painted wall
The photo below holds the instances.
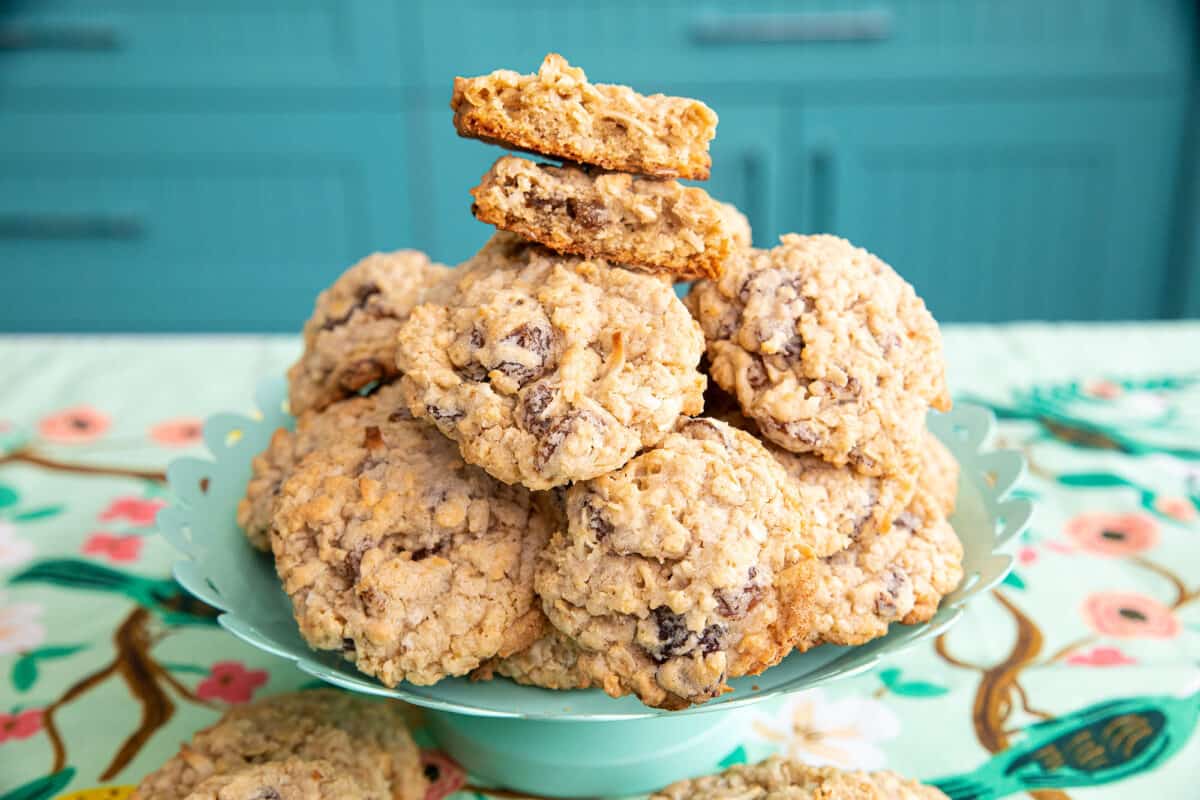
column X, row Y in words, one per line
column 188, row 165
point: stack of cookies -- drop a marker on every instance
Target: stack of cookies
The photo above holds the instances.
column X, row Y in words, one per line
column 542, row 464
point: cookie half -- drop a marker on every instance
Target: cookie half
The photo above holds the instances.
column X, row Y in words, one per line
column 365, row 741
column 350, row 340
column 558, row 113
column 550, row 368
column 410, row 562
column 645, row 222
column 782, row 778
column 661, row 576
column 827, row 349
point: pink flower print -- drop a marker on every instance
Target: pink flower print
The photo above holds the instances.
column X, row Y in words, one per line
column 1125, row 615
column 21, row 725
column 180, row 432
column 133, row 510
column 1102, row 390
column 1179, row 509
column 1026, row 556
column 77, row 425
column 232, row 682
column 120, row 549
column 1100, row 657
column 1113, row 535
column 445, row 776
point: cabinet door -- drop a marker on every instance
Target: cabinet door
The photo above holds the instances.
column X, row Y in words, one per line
column 1001, row 210
column 747, row 164
column 176, row 221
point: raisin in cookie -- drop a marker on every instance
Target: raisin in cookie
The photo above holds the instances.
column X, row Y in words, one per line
column 291, row 779
column 410, row 562
column 778, row 778
column 366, row 741
column 548, row 368
column 350, row 340
column 645, row 222
column 661, row 577
column 827, row 349
column 314, row 430
column 558, row 113
column 899, row 575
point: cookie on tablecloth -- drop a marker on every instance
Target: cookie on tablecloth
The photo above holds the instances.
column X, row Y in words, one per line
column 350, row 340
column 411, row 563
column 827, row 349
column 664, row 577
column 365, row 741
column 644, row 222
column 314, row 430
column 292, row 779
column 779, row 779
column 558, row 113
column 549, row 368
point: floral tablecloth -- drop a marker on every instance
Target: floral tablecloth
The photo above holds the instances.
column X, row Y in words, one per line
column 1079, row 677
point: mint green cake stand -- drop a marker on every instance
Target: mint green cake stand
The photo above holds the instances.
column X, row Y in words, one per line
column 562, row 744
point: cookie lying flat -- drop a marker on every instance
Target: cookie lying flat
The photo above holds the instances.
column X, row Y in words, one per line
column 314, row 430
column 411, row 563
column 901, row 575
column 558, row 113
column 548, row 368
column 781, row 779
column 293, row 779
column 827, row 349
column 644, row 222
column 659, row 577
column 350, row 340
column 365, row 741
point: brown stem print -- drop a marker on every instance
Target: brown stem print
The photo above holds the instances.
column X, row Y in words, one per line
column 1000, row 690
column 143, row 676
column 26, row 456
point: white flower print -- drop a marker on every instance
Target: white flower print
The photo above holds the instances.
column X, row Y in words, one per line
column 815, row 729
column 20, row 629
column 14, row 551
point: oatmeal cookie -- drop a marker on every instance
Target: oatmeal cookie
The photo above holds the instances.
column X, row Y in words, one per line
column 827, row 349
column 737, row 224
column 644, row 222
column 411, row 563
column 365, row 741
column 899, row 575
column 781, row 779
column 558, row 113
column 350, row 340
column 663, row 578
column 314, row 430
column 548, row 368
column 292, row 779
column 551, row 662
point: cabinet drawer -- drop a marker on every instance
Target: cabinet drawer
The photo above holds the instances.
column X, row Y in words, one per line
column 655, row 45
column 147, row 44
column 176, row 222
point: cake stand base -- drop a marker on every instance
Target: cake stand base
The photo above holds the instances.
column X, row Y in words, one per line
column 588, row 759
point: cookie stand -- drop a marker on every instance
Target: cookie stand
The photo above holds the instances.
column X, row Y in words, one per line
column 535, row 740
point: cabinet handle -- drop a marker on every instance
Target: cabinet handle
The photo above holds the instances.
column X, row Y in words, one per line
column 822, row 166
column 867, row 25
column 90, row 38
column 70, row 226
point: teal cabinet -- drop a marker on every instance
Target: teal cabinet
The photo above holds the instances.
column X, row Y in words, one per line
column 190, row 221
column 1052, row 208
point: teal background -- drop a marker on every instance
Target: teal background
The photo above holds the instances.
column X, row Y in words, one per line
column 1014, row 159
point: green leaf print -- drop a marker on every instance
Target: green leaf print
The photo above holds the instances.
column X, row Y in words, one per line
column 738, row 756
column 1014, row 580
column 8, row 496
column 42, row 788
column 38, row 513
column 1093, row 480
column 892, row 679
column 24, row 673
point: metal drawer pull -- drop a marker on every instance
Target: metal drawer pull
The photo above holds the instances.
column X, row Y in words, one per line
column 819, row 26
column 58, row 37
column 70, row 226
